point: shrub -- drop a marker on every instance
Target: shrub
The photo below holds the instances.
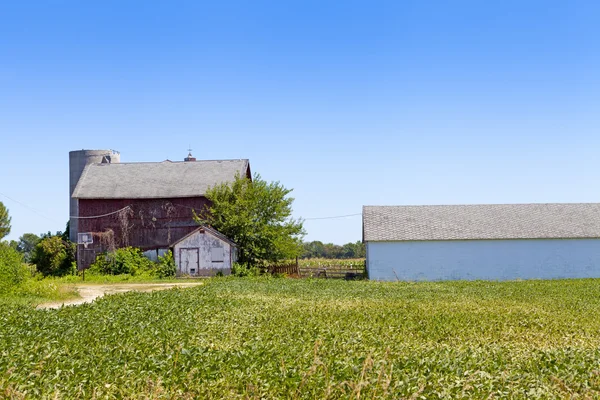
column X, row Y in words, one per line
column 238, row 269
column 126, row 260
column 12, row 269
column 54, row 256
column 165, row 268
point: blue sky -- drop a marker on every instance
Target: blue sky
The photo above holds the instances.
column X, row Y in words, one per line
column 349, row 103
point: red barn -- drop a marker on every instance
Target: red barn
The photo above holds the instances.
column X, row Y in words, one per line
column 146, row 205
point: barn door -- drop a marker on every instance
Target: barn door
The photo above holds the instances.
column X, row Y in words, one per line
column 188, row 261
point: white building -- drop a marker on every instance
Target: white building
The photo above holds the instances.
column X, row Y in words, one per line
column 204, row 252
column 492, row 242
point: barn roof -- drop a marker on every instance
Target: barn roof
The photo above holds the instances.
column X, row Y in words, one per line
column 480, row 222
column 156, row 180
column 212, row 231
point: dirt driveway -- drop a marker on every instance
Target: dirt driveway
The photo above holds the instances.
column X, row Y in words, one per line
column 89, row 292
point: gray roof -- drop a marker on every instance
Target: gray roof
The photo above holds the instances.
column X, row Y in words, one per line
column 212, row 231
column 155, row 180
column 480, row 222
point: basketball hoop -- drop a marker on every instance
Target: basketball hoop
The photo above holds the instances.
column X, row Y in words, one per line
column 85, row 239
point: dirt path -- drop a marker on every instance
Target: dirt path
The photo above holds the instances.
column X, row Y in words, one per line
column 90, row 292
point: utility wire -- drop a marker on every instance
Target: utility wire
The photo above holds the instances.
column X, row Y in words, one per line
column 30, row 208
column 103, row 215
column 304, row 219
column 126, row 207
column 337, row 216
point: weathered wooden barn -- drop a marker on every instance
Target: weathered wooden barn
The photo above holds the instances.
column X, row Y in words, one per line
column 149, row 205
column 490, row 242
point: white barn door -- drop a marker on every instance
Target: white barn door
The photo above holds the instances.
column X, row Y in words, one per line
column 188, row 261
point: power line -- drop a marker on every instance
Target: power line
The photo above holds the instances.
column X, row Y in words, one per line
column 337, row 216
column 30, row 208
column 103, row 215
column 304, row 219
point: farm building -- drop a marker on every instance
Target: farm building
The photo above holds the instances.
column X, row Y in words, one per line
column 491, row 242
column 204, row 252
column 149, row 205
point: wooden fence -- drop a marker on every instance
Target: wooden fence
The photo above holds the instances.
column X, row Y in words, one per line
column 330, row 271
column 289, row 269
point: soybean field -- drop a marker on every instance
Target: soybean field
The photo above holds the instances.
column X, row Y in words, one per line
column 311, row 338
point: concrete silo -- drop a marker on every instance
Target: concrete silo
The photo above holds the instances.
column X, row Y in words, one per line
column 78, row 160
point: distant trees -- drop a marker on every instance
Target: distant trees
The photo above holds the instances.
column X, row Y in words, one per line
column 317, row 249
column 256, row 215
column 4, row 221
column 26, row 245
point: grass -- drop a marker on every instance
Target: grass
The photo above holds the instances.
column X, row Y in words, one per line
column 37, row 290
column 34, row 291
column 123, row 278
column 284, row 338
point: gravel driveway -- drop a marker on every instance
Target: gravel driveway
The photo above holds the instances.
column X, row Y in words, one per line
column 90, row 292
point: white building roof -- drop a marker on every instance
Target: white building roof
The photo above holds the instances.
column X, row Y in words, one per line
column 481, row 222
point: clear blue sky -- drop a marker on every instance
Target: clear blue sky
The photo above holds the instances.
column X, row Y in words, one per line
column 348, row 103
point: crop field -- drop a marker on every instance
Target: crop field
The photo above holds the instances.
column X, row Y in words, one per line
column 311, row 338
column 349, row 263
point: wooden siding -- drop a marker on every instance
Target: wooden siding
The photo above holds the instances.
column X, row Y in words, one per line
column 147, row 223
column 205, row 243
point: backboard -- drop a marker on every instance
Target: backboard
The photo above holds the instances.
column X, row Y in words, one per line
column 85, row 238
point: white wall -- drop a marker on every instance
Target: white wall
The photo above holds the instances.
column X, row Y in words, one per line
column 204, row 242
column 484, row 259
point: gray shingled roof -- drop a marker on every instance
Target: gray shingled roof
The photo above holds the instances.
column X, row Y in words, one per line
column 479, row 222
column 155, row 180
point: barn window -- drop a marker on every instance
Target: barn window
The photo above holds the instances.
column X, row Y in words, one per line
column 217, row 254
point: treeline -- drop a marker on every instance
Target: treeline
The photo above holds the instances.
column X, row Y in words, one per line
column 52, row 254
column 317, row 249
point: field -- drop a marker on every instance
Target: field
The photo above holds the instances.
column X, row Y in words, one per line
column 289, row 338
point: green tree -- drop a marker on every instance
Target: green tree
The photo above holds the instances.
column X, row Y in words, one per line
column 256, row 215
column 54, row 256
column 4, row 221
column 12, row 271
column 26, row 245
column 314, row 249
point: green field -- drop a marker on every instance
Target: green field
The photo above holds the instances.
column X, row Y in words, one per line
column 290, row 338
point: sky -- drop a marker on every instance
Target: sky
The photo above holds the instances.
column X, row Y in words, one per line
column 348, row 103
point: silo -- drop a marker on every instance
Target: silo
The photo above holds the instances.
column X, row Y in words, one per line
column 78, row 159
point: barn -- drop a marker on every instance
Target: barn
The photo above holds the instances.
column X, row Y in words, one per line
column 148, row 205
column 488, row 242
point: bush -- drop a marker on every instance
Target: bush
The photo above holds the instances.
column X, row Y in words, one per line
column 238, row 269
column 54, row 256
column 12, row 270
column 165, row 268
column 131, row 261
column 126, row 260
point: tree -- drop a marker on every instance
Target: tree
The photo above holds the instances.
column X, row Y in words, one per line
column 317, row 249
column 256, row 215
column 314, row 249
column 26, row 245
column 4, row 221
column 54, row 256
column 12, row 271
